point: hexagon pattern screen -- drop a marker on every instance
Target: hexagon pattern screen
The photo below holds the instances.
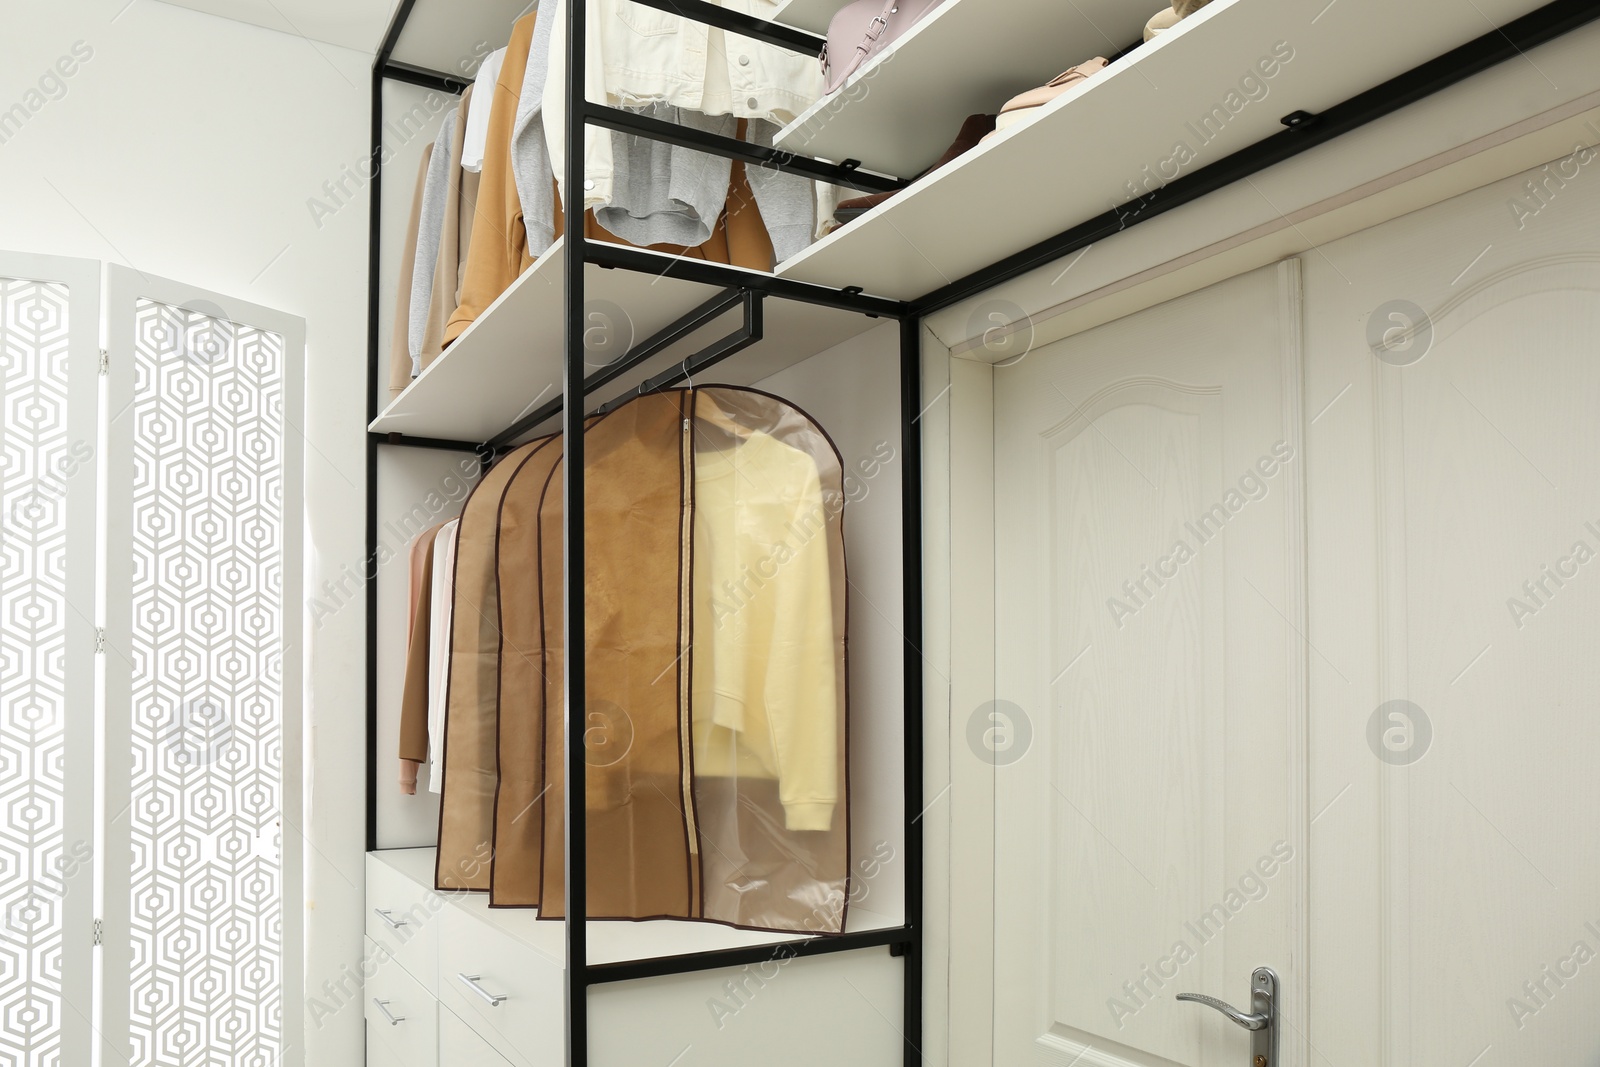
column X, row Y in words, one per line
column 34, row 852
column 208, row 633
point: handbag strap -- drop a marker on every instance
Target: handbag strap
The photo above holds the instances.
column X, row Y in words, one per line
column 878, row 24
column 880, row 21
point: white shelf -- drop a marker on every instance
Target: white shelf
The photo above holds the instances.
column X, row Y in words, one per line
column 508, row 362
column 610, row 941
column 453, row 37
column 1091, row 149
column 812, row 15
column 898, row 114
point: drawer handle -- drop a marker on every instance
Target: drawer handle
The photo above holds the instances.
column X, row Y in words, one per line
column 472, row 980
column 388, row 918
column 383, row 1006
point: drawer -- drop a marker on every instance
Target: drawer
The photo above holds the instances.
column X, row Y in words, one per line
column 460, row 1046
column 403, row 917
column 402, row 1017
column 509, row 991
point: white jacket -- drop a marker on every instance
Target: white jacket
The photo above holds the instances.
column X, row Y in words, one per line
column 637, row 54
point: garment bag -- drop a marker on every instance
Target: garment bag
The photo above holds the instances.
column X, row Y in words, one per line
column 637, row 773
column 518, row 815
column 471, row 729
column 767, row 660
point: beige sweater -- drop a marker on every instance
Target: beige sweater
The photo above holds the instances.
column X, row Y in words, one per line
column 399, row 346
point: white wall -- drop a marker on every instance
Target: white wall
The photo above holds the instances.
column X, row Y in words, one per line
column 187, row 146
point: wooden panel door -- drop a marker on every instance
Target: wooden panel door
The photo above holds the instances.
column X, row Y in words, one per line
column 1454, row 467
column 1148, row 732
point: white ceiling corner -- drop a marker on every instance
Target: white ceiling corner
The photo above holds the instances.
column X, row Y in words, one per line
column 356, row 24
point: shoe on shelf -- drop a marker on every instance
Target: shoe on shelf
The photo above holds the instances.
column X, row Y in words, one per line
column 1023, row 106
column 972, row 131
column 1162, row 20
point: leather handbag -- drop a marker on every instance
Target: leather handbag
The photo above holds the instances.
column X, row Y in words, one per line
column 862, row 29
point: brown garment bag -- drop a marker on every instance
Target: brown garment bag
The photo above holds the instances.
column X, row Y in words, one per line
column 518, row 814
column 471, row 734
column 639, row 854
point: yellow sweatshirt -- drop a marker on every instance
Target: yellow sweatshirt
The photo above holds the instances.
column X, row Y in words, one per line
column 764, row 648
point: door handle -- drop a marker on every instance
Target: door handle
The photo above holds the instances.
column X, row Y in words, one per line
column 383, row 1006
column 1262, row 1022
column 387, row 915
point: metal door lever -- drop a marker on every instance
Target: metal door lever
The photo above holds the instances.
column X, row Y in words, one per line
column 1249, row 1022
column 1262, row 1022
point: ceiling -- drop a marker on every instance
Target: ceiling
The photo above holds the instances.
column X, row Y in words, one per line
column 357, row 24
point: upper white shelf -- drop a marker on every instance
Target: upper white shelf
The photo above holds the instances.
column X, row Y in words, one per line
column 1219, row 82
column 812, row 15
column 900, row 112
column 508, row 362
column 452, row 37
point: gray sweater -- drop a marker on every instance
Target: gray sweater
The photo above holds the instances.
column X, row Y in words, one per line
column 530, row 158
column 430, row 226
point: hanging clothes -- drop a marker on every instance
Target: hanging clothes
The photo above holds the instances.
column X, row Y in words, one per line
column 500, row 252
column 715, row 731
column 440, row 293
column 664, row 194
column 640, row 59
column 530, row 158
column 400, row 335
column 441, row 607
column 415, row 691
column 477, row 127
column 430, row 229
column 637, row 55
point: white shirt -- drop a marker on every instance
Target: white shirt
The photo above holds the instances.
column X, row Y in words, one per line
column 477, row 135
column 443, row 604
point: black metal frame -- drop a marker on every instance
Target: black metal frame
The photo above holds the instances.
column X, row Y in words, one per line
column 748, row 289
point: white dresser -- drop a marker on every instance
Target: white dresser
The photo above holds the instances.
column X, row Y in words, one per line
column 451, row 982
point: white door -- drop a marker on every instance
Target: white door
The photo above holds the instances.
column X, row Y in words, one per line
column 1454, row 476
column 1354, row 719
column 1149, row 679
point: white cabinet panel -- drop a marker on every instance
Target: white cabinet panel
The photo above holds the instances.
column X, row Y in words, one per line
column 403, row 913
column 460, row 1045
column 839, row 1009
column 479, row 961
column 401, row 1015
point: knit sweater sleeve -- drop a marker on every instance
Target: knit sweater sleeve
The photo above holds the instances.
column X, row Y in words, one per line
column 801, row 690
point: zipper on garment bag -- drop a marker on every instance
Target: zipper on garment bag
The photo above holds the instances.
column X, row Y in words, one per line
column 685, row 679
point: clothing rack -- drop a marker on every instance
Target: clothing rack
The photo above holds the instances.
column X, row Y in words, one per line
column 747, row 291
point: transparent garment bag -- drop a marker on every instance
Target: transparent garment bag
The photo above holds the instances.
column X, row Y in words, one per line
column 767, row 656
column 471, row 729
